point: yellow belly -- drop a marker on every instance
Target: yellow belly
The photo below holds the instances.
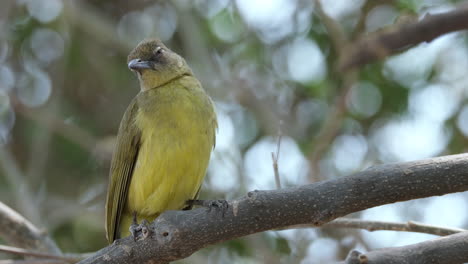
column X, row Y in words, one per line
column 167, row 174
column 172, row 161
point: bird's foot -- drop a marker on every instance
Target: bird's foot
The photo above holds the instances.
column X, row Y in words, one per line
column 139, row 231
column 220, row 205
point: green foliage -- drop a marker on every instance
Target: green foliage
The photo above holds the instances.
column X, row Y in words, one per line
column 395, row 96
column 282, row 246
column 408, row 5
column 239, row 247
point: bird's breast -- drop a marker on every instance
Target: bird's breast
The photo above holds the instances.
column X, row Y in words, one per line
column 176, row 141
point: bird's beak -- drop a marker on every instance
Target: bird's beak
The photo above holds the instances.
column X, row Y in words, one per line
column 138, row 64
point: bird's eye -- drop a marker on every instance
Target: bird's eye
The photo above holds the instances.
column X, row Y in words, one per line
column 158, row 51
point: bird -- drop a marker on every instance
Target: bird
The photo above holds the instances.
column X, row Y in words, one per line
column 164, row 141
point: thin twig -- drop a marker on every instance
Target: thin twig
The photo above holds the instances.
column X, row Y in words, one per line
column 18, row 231
column 335, row 30
column 410, row 226
column 275, row 158
column 32, row 261
column 31, row 253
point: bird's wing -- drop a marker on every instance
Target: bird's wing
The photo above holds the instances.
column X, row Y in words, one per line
column 123, row 163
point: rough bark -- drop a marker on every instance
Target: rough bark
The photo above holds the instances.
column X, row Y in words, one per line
column 178, row 234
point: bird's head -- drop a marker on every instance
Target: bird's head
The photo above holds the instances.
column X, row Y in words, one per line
column 155, row 64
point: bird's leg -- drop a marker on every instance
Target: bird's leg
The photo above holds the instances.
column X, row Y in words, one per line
column 188, row 206
column 134, row 228
column 139, row 231
column 219, row 205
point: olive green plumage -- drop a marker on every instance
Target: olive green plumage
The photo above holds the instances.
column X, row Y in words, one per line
column 164, row 142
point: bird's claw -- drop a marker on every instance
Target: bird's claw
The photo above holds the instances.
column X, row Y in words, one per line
column 139, row 231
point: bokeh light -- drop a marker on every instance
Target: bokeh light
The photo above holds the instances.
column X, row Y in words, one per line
column 462, row 120
column 365, row 99
column 410, row 138
column 47, row 45
column 306, row 61
column 272, row 70
column 435, row 102
column 272, row 18
column 380, row 16
column 321, row 250
column 225, row 25
column 135, row 26
column 44, row 10
column 349, row 152
column 34, row 87
column 7, row 78
column 341, row 9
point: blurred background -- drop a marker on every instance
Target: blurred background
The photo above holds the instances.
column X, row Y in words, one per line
column 271, row 68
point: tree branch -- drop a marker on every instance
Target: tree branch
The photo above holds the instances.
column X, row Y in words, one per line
column 443, row 250
column 17, row 181
column 409, row 226
column 387, row 42
column 30, row 253
column 31, row 261
column 18, row 231
column 178, row 234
